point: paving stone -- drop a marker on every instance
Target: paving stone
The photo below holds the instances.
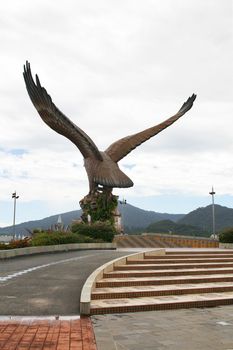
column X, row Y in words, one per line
column 192, row 329
column 47, row 335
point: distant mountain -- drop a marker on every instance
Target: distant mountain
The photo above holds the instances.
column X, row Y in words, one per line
column 45, row 223
column 168, row 226
column 136, row 220
column 132, row 217
column 203, row 218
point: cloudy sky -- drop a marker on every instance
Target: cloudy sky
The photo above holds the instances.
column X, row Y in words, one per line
column 116, row 68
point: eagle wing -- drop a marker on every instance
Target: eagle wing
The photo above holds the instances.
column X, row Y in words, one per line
column 54, row 118
column 122, row 147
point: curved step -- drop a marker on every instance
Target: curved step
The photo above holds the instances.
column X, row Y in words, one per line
column 173, row 289
column 194, row 256
column 160, row 273
column 160, row 303
column 143, row 281
column 198, row 252
column 189, row 260
column 179, row 279
column 172, row 266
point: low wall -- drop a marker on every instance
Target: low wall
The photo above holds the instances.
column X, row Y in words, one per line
column 147, row 240
column 85, row 299
column 226, row 245
column 12, row 253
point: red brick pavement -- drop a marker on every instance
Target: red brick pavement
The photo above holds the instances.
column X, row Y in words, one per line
column 47, row 335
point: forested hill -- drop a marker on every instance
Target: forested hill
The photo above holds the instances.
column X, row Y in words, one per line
column 171, row 227
column 136, row 219
column 45, row 223
column 133, row 217
column 203, row 218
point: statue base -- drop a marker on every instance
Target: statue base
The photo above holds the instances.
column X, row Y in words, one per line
column 100, row 206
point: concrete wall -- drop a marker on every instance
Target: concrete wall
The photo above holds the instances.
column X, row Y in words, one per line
column 164, row 241
column 226, row 245
column 12, row 253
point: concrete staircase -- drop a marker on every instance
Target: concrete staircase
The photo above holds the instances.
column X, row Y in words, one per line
column 181, row 279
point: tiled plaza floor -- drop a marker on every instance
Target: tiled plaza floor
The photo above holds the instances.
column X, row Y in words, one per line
column 187, row 329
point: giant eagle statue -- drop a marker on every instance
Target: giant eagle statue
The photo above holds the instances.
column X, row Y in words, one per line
column 102, row 168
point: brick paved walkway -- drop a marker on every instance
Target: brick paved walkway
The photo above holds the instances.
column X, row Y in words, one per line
column 47, row 335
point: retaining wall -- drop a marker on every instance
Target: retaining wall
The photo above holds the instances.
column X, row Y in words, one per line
column 12, row 253
column 164, row 241
column 226, row 245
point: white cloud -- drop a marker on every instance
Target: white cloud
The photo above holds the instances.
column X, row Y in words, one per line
column 116, row 68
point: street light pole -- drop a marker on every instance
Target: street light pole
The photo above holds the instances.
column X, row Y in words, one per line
column 14, row 196
column 212, row 193
column 123, row 202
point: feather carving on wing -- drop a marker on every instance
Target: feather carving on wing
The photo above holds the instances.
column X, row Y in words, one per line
column 124, row 146
column 102, row 168
column 54, row 118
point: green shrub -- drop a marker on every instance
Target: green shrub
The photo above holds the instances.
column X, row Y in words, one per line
column 98, row 230
column 226, row 236
column 19, row 243
column 4, row 246
column 36, row 230
column 53, row 238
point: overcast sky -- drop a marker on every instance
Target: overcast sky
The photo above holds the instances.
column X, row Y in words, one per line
column 115, row 68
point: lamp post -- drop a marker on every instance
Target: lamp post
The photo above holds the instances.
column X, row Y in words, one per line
column 123, row 202
column 212, row 193
column 14, row 196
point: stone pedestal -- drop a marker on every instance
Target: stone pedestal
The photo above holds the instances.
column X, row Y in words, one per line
column 100, row 206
